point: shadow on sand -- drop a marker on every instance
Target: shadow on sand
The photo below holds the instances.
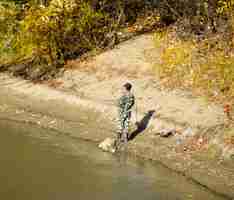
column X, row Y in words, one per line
column 142, row 125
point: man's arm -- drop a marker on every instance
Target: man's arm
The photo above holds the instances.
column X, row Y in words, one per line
column 129, row 103
column 121, row 102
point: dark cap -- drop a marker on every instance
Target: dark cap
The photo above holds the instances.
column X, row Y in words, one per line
column 128, row 86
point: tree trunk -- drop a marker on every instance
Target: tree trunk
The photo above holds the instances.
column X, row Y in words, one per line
column 212, row 6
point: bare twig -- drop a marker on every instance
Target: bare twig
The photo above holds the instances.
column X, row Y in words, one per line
column 172, row 9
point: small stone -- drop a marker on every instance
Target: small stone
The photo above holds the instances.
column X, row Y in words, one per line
column 200, row 140
column 167, row 132
column 108, row 145
column 188, row 132
column 52, row 122
column 178, row 141
column 18, row 111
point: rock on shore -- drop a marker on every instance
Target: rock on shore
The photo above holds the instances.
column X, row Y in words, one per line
column 108, row 145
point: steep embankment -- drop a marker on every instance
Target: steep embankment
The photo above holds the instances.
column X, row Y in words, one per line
column 83, row 99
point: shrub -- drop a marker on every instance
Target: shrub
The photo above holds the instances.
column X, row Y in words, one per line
column 204, row 66
column 9, row 21
column 63, row 29
column 49, row 32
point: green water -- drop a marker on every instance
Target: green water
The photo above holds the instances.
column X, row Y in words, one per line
column 37, row 164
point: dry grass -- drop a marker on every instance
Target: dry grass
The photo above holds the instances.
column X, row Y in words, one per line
column 205, row 66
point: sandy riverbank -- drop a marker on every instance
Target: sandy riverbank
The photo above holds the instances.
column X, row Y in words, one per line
column 80, row 103
column 94, row 121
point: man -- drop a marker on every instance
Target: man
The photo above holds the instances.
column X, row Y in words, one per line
column 125, row 103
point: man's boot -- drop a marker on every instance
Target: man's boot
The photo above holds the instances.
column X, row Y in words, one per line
column 124, row 138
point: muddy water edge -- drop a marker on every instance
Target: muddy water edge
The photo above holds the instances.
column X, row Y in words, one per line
column 78, row 119
column 38, row 163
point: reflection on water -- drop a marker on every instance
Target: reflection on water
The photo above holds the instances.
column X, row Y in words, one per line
column 37, row 164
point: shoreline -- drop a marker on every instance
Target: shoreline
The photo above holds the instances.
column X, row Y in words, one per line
column 128, row 152
column 26, row 102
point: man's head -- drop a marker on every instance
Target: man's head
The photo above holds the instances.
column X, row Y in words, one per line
column 127, row 86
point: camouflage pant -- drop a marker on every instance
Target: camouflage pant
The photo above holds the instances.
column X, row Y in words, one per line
column 123, row 128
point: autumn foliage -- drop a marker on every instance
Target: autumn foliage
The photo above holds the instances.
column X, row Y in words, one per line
column 46, row 33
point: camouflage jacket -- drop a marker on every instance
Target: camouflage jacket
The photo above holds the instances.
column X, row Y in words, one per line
column 125, row 103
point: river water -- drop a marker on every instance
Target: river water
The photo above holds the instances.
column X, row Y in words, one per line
column 37, row 164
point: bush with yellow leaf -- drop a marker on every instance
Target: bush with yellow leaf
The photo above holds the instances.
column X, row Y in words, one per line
column 203, row 66
column 9, row 21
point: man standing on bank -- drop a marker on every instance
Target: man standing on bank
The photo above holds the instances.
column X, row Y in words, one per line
column 125, row 104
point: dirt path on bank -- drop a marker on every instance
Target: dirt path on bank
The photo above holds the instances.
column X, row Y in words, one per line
column 81, row 104
column 101, row 78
